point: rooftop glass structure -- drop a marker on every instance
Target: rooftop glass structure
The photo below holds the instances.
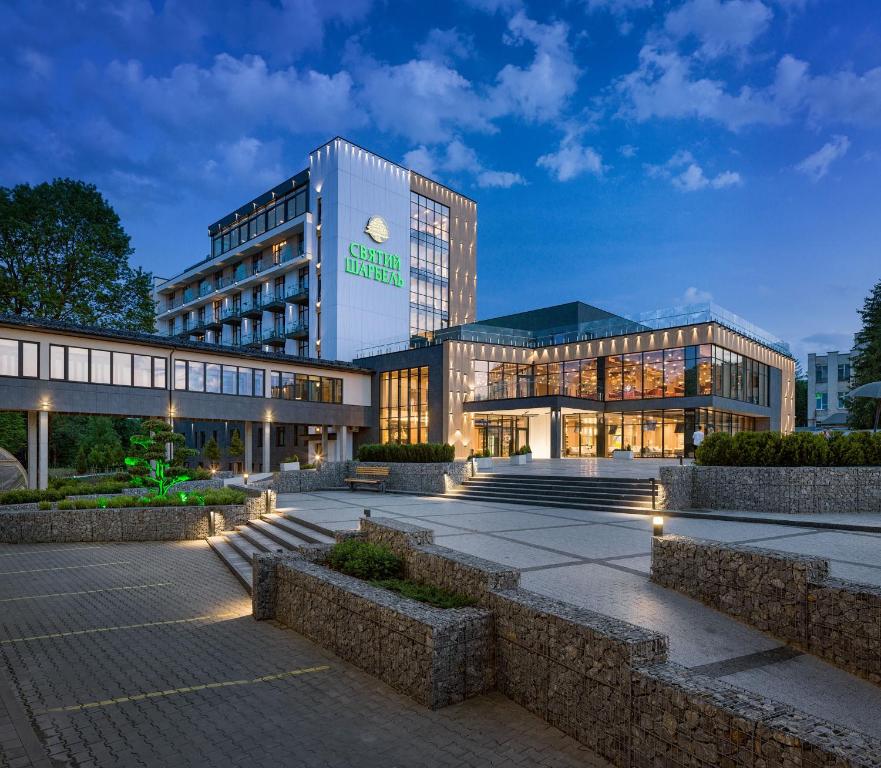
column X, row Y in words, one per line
column 575, row 322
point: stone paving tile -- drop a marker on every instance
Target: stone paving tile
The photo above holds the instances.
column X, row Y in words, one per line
column 588, row 541
column 697, row 635
column 502, row 551
column 336, row 717
column 817, row 688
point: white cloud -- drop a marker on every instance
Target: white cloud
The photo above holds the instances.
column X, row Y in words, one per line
column 571, row 160
column 502, row 179
column 37, row 64
column 421, row 160
column 445, row 45
column 621, row 10
column 816, row 166
column 694, row 295
column 684, row 172
column 541, row 90
column 627, row 150
column 457, row 157
column 720, row 26
column 663, row 86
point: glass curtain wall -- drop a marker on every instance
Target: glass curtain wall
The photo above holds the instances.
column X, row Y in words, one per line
column 403, row 406
column 649, row 434
column 676, row 372
column 501, row 435
column 581, row 434
column 429, row 265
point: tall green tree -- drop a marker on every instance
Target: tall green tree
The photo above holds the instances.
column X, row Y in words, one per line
column 866, row 364
column 65, row 256
column 801, row 396
column 211, row 451
column 13, row 433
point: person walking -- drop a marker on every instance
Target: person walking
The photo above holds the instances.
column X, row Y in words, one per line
column 698, row 437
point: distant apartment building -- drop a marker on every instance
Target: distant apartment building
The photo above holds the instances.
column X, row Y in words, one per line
column 829, row 381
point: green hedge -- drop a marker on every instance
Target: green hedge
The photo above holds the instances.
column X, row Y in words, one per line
column 213, row 498
column 364, row 560
column 60, row 490
column 797, row 449
column 418, row 453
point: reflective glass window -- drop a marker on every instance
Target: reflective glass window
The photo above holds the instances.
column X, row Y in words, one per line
column 122, row 369
column 77, row 365
column 142, row 371
column 8, row 357
column 212, row 377
column 56, row 362
column 159, row 372
column 30, row 359
column 196, row 373
column 230, row 379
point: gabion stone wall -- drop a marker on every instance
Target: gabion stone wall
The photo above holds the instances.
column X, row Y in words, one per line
column 680, row 718
column 792, row 490
column 126, row 524
column 408, row 478
column 603, row 681
column 438, row 657
column 787, row 595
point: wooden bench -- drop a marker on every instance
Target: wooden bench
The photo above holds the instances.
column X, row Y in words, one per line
column 371, row 476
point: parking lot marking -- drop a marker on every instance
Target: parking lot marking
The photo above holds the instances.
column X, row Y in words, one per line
column 186, row 689
column 72, row 633
column 41, row 551
column 84, row 592
column 66, row 567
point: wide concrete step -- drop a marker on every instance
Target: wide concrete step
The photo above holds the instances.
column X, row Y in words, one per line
column 284, row 538
column 502, row 477
column 567, row 481
column 262, row 542
column 546, row 502
column 232, row 559
column 562, row 492
column 309, row 532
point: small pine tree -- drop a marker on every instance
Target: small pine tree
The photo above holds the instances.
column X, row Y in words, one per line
column 211, row 451
column 867, row 361
column 82, row 461
column 236, row 447
column 150, row 452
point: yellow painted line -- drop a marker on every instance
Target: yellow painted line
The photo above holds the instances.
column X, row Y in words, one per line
column 187, row 689
column 66, row 567
column 84, row 592
column 73, row 633
column 41, row 551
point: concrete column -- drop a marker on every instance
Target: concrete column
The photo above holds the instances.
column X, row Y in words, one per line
column 249, row 448
column 32, row 449
column 342, row 443
column 324, row 455
column 556, row 433
column 266, row 455
column 43, row 429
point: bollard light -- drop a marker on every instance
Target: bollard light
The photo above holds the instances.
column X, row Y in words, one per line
column 657, row 526
column 245, row 478
column 366, row 513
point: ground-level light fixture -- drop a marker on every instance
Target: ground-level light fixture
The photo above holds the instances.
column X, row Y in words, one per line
column 245, row 477
column 657, row 526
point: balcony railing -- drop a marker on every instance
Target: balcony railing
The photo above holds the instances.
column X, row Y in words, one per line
column 298, row 293
column 205, row 289
column 297, row 330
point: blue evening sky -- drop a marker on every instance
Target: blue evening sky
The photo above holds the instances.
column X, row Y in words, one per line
column 633, row 154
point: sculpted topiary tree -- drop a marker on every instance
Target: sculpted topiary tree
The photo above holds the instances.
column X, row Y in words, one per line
column 150, row 454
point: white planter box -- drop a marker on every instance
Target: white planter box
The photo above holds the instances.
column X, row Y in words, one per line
column 290, row 466
column 528, row 458
column 521, row 458
column 627, row 455
column 483, row 463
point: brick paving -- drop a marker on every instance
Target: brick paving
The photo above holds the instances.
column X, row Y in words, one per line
column 149, row 657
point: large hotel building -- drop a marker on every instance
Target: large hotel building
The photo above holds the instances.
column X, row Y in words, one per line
column 340, row 308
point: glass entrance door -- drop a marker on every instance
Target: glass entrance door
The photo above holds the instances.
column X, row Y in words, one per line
column 580, row 434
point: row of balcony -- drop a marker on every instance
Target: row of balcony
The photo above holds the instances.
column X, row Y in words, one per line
column 235, row 313
column 274, row 336
column 242, row 272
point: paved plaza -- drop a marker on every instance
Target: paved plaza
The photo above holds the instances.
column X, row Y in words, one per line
column 601, row 560
column 146, row 655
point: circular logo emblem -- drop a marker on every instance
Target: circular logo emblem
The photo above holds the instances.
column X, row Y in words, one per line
column 377, row 229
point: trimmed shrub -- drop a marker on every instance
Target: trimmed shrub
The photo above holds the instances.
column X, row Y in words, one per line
column 417, row 453
column 219, row 497
column 44, row 505
column 797, row 449
column 425, row 593
column 363, row 560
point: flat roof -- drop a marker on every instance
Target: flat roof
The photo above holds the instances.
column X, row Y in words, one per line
column 298, row 180
column 167, row 342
